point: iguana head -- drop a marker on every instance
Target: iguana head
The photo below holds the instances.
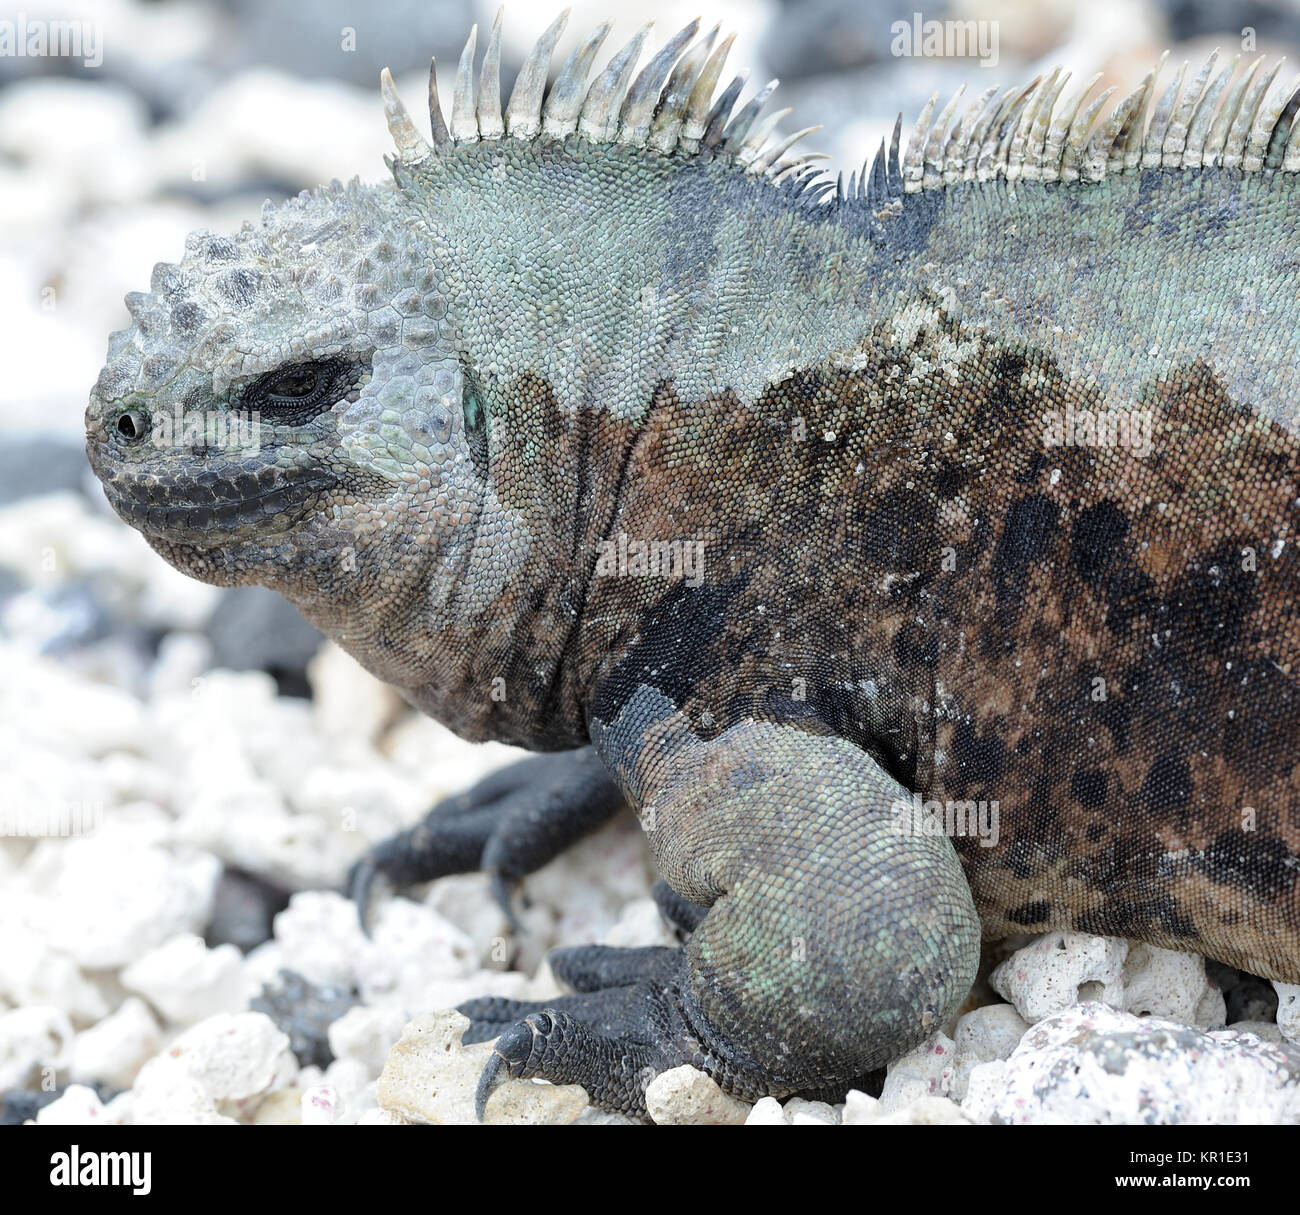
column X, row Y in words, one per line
column 287, row 406
column 363, row 400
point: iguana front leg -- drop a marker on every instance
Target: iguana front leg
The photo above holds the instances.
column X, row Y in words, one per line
column 833, row 942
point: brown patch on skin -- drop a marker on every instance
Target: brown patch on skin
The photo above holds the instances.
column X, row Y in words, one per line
column 831, row 560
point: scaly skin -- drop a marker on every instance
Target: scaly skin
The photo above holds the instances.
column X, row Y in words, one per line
column 526, row 346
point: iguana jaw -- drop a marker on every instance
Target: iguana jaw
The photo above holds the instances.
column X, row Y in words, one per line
column 217, row 507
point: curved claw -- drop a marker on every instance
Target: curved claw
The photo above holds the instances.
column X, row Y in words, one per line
column 489, row 1080
column 510, row 1057
column 359, row 886
column 501, row 891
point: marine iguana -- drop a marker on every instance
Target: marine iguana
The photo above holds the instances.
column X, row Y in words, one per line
column 820, row 520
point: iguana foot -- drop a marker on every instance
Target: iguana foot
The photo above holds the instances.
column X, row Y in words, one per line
column 600, row 975
column 508, row 825
column 613, row 1042
column 825, row 936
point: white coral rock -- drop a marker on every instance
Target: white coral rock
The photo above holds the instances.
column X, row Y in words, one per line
column 186, row 981
column 217, row 1071
column 685, row 1096
column 113, row 1051
column 35, row 1042
column 1059, row 969
column 926, row 1071
column 1093, row 1064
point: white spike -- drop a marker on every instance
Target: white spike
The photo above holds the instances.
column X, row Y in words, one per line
column 1291, row 155
column 1214, row 144
column 677, row 94
column 410, row 143
column 997, row 144
column 437, row 126
column 914, row 157
column 1153, row 145
column 1261, row 134
column 1036, row 165
column 756, row 141
column 599, row 118
column 464, row 126
column 564, row 101
column 701, row 102
column 1078, row 138
column 932, row 157
column 954, row 154
column 1203, row 118
column 524, row 110
column 1235, row 146
column 643, row 96
column 979, row 133
column 1175, row 141
column 1024, row 125
column 762, row 164
column 490, row 123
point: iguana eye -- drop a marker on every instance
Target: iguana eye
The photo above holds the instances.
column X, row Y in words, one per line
column 294, row 385
column 294, row 394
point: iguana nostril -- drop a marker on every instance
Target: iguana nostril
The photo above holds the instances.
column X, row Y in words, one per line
column 132, row 425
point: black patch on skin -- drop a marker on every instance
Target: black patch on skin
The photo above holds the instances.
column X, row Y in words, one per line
column 1213, row 598
column 915, row 645
column 1027, row 535
column 1128, row 598
column 1257, row 863
column 1109, row 869
column 950, row 479
column 1030, row 913
column 1088, row 787
column 1026, row 858
column 1097, row 536
column 1034, row 470
column 979, row 760
column 665, row 660
column 891, row 536
column 1116, row 717
column 1136, row 918
column 1168, row 787
column 1264, row 702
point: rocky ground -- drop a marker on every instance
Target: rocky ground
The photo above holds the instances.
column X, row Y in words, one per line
column 184, row 958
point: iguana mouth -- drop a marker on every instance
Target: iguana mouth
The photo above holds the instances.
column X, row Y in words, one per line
column 214, row 508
